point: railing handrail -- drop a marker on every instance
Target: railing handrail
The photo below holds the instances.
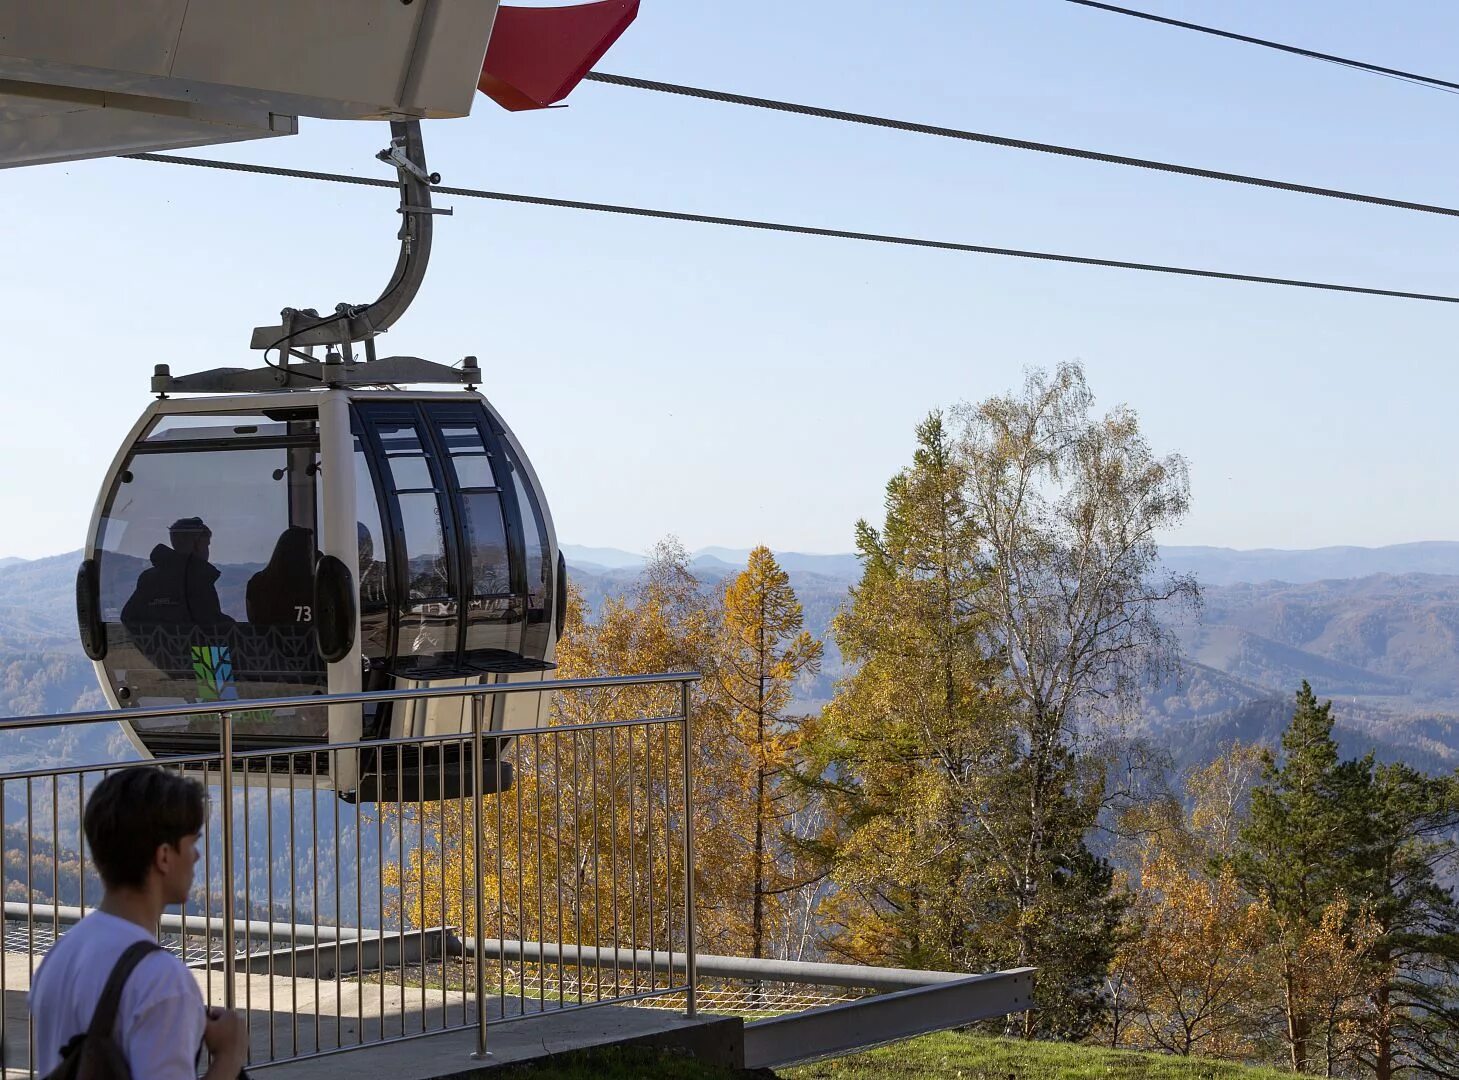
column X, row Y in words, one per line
column 236, row 705
column 810, row 973
column 214, row 757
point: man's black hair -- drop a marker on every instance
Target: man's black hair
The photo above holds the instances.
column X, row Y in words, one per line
column 187, row 531
column 134, row 812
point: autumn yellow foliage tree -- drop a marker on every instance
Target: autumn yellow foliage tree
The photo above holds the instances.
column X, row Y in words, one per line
column 1192, row 965
column 585, row 845
column 910, row 751
column 766, row 649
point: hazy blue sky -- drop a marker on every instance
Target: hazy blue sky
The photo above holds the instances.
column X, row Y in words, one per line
column 735, row 388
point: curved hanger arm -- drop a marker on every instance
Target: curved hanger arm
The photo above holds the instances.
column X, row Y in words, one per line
column 361, row 322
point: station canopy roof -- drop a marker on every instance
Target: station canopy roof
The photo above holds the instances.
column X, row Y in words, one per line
column 92, row 78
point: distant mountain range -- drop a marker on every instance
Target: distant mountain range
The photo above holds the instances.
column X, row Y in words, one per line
column 1211, row 565
column 1376, row 629
column 598, row 559
column 1228, row 566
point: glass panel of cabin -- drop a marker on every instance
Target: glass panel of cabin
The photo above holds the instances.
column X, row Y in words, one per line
column 206, row 552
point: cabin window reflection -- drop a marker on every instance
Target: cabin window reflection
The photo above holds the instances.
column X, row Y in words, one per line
column 428, row 573
column 469, row 456
column 490, row 569
column 207, row 558
column 373, row 564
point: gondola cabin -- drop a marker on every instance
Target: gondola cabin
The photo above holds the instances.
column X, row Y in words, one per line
column 254, row 546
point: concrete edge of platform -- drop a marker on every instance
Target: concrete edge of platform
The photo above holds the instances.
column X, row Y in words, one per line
column 531, row 1040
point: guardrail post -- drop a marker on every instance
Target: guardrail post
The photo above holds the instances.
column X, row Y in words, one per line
column 225, row 738
column 478, row 782
column 690, row 950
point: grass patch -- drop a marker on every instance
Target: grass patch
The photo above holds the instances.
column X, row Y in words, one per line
column 953, row 1055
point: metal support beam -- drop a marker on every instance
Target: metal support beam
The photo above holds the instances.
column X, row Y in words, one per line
column 860, row 1025
column 716, row 967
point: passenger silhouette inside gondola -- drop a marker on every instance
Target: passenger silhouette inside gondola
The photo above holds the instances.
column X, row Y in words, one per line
column 180, row 588
column 283, row 591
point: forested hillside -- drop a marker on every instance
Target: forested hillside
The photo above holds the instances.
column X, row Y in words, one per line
column 1385, row 646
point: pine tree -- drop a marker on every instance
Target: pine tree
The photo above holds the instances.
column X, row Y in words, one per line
column 1413, row 846
column 767, row 648
column 1299, row 852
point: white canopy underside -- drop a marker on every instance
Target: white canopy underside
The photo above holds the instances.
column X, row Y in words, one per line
column 90, row 78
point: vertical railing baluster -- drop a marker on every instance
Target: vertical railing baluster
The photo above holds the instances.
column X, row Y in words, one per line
column 420, row 810
column 225, row 728
column 648, row 853
column 578, row 874
column 314, row 884
column 339, row 920
column 501, row 907
column 478, row 766
column 557, row 851
column 293, row 918
column 247, row 914
column 521, row 855
column 613, row 856
column 462, row 750
column 441, row 865
column 668, row 859
column 30, row 902
column 541, row 884
column 380, row 874
column 359, row 971
column 597, row 875
column 338, row 915
column 691, row 969
column 401, row 878
column 268, row 824
column 208, row 959
column 632, row 862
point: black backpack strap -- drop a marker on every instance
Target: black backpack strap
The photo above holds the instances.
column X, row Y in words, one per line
column 104, row 1020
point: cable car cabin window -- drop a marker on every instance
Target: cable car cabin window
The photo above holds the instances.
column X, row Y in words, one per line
column 491, row 573
column 428, row 574
column 469, row 456
column 539, row 561
column 207, row 550
column 429, row 620
column 373, row 569
column 411, row 473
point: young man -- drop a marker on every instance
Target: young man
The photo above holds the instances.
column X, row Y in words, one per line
column 142, row 825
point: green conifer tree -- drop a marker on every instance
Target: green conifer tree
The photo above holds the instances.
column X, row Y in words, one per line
column 1299, row 851
column 1413, row 846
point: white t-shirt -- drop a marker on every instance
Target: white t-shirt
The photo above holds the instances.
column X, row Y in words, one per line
column 160, row 1022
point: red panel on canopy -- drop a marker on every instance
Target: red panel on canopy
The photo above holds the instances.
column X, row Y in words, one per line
column 538, row 55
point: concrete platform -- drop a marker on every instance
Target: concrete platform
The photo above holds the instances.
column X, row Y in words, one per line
column 447, row 1055
column 305, row 1019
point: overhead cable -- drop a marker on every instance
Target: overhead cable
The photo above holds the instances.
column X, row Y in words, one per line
column 800, row 230
column 1016, row 144
column 1361, row 65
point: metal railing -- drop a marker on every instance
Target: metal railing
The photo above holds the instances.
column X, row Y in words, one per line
column 333, row 923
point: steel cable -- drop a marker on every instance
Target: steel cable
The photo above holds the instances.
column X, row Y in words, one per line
column 1360, row 65
column 800, row 230
column 1017, row 144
